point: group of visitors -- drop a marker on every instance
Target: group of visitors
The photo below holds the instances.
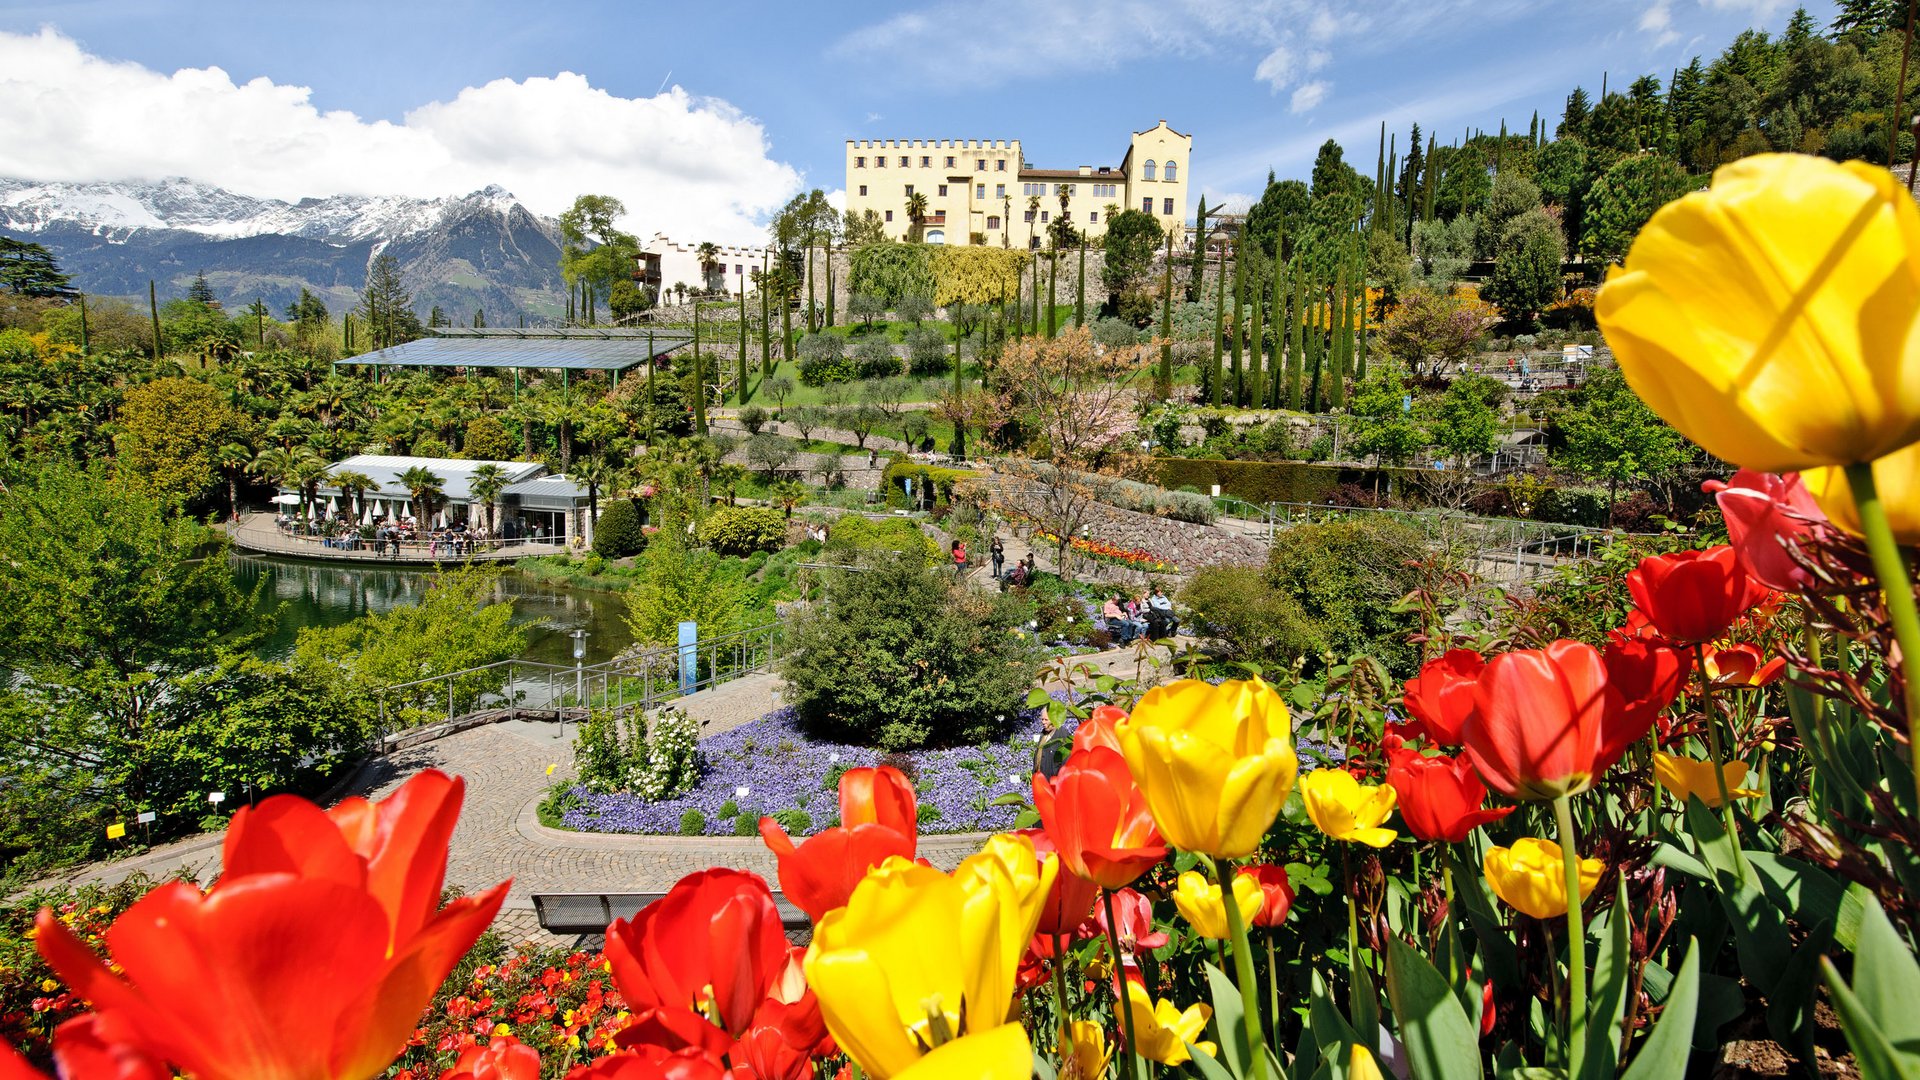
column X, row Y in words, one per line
column 1148, row 615
column 385, row 536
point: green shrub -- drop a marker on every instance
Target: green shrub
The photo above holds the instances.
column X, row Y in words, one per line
column 617, row 534
column 853, row 534
column 746, row 825
column 729, row 809
column 873, row 359
column 693, row 823
column 823, row 359
column 1234, row 606
column 898, row 657
column 743, row 530
column 753, row 418
column 487, row 440
column 796, row 822
column 1347, row 578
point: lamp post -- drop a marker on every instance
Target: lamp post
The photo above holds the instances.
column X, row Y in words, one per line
column 579, row 671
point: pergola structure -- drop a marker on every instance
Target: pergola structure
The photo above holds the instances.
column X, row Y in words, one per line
column 565, row 350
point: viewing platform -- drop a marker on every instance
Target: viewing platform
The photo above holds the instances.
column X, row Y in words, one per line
column 260, row 534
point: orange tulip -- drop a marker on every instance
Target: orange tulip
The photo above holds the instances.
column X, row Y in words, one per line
column 1098, row 819
column 713, row 946
column 311, row 958
column 877, row 821
column 502, row 1058
column 1742, row 665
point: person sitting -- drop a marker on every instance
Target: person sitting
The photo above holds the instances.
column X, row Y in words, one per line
column 1115, row 621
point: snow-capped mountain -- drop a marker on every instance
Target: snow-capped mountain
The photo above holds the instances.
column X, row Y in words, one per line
column 478, row 251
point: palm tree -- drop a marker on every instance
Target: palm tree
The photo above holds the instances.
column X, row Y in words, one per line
column 308, row 471
column 488, row 482
column 354, row 486
column 788, row 494
column 595, row 472
column 425, row 488
column 727, row 477
column 284, row 467
column 709, row 254
column 917, row 211
column 233, row 459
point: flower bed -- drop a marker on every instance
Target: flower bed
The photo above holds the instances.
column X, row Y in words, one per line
column 781, row 768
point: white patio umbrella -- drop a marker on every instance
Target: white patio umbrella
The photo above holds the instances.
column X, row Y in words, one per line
column 287, row 498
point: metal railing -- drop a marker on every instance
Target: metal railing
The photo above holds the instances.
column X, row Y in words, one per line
column 642, row 680
column 1531, row 548
column 428, row 550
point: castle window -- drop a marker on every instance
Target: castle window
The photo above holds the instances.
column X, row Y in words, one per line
column 926, row 162
column 1171, row 172
column 979, row 191
column 1146, row 205
column 943, row 190
column 890, row 213
column 1093, row 216
column 909, row 189
column 1166, row 207
column 1000, row 165
column 859, row 163
column 980, row 165
column 999, row 191
column 949, row 162
column 993, row 221
column 1146, row 171
column 903, row 161
column 880, row 162
column 863, row 189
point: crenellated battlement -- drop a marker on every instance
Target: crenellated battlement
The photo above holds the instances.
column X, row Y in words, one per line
column 1005, row 145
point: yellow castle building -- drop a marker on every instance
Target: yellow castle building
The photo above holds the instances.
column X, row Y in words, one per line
column 984, row 192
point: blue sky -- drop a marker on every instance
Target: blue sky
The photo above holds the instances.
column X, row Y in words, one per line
column 445, row 96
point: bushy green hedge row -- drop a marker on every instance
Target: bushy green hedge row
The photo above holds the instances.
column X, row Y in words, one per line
column 941, row 480
column 743, row 530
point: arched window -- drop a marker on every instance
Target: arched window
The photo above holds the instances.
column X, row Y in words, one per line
column 1146, row 173
column 936, row 236
column 1172, row 172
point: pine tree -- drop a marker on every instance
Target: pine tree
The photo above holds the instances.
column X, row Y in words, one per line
column 479, row 318
column 200, row 292
column 30, row 270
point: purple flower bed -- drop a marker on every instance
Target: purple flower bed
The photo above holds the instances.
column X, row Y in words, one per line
column 784, row 769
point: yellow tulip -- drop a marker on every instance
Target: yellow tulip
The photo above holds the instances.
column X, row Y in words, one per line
column 1162, row 1031
column 1083, row 1051
column 1772, row 319
column 1200, row 903
column 1687, row 777
column 915, row 950
column 1361, row 1065
column 1897, row 479
column 1214, row 762
column 1532, row 879
column 1345, row 809
column 1001, row 1053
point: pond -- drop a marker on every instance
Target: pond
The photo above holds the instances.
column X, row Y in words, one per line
column 328, row 594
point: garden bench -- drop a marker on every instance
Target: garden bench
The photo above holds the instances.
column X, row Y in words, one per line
column 590, row 913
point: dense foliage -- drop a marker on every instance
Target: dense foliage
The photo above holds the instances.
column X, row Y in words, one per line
column 899, row 657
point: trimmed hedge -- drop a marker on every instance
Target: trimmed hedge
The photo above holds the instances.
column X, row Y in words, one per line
column 923, row 476
column 743, row 530
column 1268, row 481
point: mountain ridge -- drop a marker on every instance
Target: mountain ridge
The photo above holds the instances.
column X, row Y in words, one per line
column 463, row 253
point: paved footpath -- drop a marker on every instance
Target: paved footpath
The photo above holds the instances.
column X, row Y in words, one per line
column 500, row 836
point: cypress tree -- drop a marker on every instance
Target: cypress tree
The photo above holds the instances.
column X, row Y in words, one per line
column 1080, row 290
column 1500, row 148
column 85, row 344
column 812, row 325
column 1197, row 271
column 786, row 316
column 1239, row 325
column 1426, row 211
column 1219, row 331
column 1053, row 282
column 653, row 370
column 1360, row 330
column 1276, row 313
column 153, row 308
column 1316, row 347
column 1165, row 386
column 766, row 319
column 1256, row 389
column 829, row 261
column 1342, row 338
column 743, row 343
column 1380, row 181
column 699, row 378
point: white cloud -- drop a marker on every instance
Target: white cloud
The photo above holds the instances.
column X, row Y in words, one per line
column 1658, row 21
column 1276, row 69
column 1309, row 95
column 687, row 165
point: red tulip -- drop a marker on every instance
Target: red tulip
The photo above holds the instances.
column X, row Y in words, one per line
column 1693, row 596
column 313, row 955
column 1098, row 819
column 1742, row 666
column 877, row 820
column 652, row 1063
column 81, row 1053
column 1097, row 730
column 1276, row 892
column 764, row 1054
column 1764, row 514
column 1440, row 698
column 1134, row 914
column 1440, row 798
column 502, row 1058
column 1649, row 675
column 1071, row 900
column 1541, row 720
column 713, row 946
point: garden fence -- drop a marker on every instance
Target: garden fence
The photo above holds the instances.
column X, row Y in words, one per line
column 641, row 680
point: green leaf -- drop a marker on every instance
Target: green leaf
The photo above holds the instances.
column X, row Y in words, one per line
column 1441, row 1042
column 1887, row 981
column 1607, row 1003
column 1497, row 952
column 1229, row 1020
column 1664, row 1055
column 1037, row 697
column 1042, row 1068
column 1204, row 1063
column 1009, row 799
column 1875, row 1056
column 1329, row 1026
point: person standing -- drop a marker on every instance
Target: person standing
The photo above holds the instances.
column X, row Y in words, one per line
column 998, row 552
column 959, row 560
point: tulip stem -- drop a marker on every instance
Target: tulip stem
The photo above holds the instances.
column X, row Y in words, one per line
column 1576, row 941
column 1890, row 566
column 1719, row 768
column 1243, row 969
column 1060, row 983
column 1123, row 1005
column 1453, row 928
